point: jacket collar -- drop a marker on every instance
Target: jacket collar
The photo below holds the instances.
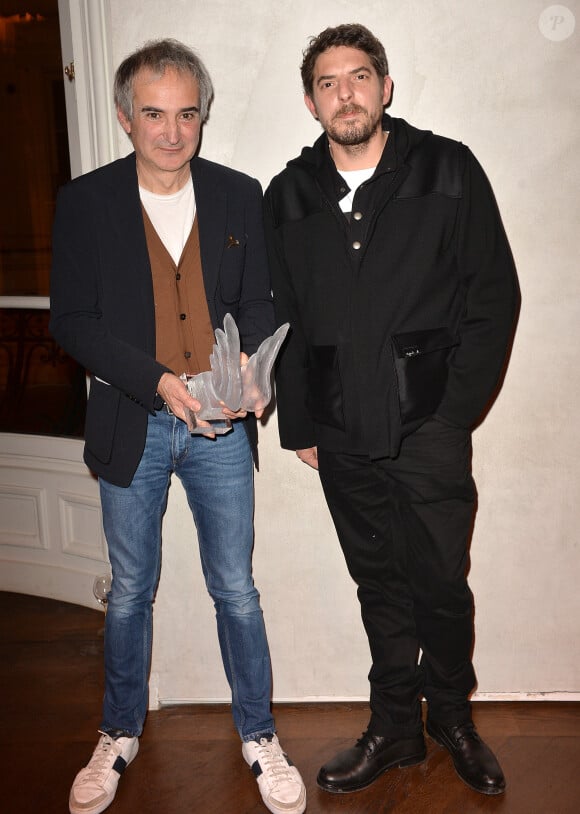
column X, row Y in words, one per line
column 404, row 137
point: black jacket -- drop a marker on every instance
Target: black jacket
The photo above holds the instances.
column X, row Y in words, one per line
column 102, row 309
column 403, row 313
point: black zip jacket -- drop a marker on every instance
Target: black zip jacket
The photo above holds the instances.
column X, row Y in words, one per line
column 403, row 313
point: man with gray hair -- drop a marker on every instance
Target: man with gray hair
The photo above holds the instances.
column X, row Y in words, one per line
column 150, row 254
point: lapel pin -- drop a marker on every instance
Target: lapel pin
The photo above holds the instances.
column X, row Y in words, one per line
column 232, row 242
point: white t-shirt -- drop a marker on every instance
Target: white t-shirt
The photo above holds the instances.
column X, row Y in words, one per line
column 354, row 178
column 172, row 217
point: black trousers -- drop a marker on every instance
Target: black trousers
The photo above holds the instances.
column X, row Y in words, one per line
column 404, row 525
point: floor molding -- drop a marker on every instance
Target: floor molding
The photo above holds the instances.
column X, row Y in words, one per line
column 158, row 703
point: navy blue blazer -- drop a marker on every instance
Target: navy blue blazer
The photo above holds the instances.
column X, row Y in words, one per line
column 102, row 308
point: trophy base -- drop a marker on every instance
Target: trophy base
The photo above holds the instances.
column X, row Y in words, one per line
column 217, row 426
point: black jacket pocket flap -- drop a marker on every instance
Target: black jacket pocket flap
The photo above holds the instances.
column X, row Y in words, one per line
column 418, row 343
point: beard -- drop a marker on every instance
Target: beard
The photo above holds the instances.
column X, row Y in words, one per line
column 350, row 134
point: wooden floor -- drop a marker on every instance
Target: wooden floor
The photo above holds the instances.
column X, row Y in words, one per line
column 190, row 758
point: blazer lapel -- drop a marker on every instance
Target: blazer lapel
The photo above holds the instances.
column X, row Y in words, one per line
column 129, row 237
column 211, row 212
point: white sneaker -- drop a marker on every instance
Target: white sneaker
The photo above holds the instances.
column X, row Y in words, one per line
column 278, row 779
column 95, row 786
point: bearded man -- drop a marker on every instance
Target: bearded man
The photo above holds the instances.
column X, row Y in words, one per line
column 390, row 262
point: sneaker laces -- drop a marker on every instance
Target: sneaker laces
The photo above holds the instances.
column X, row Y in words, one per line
column 100, row 763
column 274, row 760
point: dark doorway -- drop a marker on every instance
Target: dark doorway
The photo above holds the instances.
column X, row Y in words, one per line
column 41, row 389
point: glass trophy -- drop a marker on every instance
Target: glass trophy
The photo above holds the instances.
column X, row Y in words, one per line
column 229, row 384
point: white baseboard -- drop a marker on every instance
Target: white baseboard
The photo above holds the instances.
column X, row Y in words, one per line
column 552, row 695
column 158, row 703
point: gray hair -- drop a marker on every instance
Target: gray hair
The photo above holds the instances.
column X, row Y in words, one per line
column 158, row 56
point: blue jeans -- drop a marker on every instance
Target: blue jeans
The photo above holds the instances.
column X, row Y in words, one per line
column 218, row 479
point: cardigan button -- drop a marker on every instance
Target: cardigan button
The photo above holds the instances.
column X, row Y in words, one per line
column 357, row 215
column 356, row 244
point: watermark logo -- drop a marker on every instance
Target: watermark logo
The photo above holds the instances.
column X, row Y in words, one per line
column 557, row 23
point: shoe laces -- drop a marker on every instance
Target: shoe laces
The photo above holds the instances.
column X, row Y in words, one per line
column 105, row 754
column 273, row 760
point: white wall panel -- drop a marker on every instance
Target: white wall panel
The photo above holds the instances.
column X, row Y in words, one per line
column 22, row 510
column 487, row 74
column 51, row 537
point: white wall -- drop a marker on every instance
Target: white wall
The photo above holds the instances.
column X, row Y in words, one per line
column 483, row 73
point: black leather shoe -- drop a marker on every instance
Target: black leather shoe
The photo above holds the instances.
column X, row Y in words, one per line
column 358, row 767
column 474, row 761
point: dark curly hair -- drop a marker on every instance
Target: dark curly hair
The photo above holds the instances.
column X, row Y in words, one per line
column 352, row 35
